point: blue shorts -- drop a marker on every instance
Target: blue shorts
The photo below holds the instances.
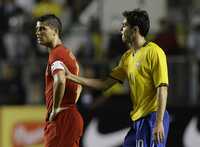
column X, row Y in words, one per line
column 141, row 132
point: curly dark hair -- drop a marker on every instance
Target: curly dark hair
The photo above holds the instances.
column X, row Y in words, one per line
column 52, row 21
column 138, row 18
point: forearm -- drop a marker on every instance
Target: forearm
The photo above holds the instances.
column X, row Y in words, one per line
column 162, row 101
column 89, row 82
column 58, row 93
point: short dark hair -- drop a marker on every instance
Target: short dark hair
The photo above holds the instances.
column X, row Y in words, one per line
column 138, row 18
column 52, row 21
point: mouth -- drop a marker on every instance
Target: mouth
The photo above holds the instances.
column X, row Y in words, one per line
column 122, row 34
column 39, row 39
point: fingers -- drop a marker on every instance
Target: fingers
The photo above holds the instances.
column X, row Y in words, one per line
column 52, row 116
column 158, row 137
column 54, row 113
column 162, row 137
column 66, row 69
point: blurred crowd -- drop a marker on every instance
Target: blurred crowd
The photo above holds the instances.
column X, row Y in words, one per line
column 23, row 62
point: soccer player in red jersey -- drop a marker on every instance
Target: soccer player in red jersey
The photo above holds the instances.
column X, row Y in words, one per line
column 64, row 123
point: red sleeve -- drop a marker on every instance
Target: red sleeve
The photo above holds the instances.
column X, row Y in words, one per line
column 65, row 56
column 57, row 54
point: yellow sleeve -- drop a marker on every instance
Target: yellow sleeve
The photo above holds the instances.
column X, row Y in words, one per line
column 118, row 72
column 158, row 65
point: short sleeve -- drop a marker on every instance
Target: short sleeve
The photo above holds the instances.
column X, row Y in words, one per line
column 56, row 60
column 118, row 73
column 158, row 66
column 56, row 66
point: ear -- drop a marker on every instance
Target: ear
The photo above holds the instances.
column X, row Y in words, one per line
column 56, row 31
column 136, row 28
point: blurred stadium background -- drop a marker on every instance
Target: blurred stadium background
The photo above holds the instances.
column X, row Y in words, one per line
column 91, row 30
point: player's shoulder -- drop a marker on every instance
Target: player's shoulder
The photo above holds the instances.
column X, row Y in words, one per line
column 126, row 54
column 59, row 49
column 153, row 48
column 58, row 53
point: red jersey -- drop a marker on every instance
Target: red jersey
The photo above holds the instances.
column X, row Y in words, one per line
column 60, row 54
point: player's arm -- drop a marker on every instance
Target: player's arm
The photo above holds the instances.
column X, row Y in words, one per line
column 162, row 92
column 158, row 63
column 97, row 84
column 162, row 101
column 59, row 81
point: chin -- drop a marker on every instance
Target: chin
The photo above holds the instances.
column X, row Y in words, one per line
column 123, row 40
column 41, row 43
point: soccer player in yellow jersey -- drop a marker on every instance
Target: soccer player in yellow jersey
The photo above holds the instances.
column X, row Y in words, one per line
column 144, row 65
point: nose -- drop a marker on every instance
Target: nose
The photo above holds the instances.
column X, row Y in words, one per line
column 37, row 32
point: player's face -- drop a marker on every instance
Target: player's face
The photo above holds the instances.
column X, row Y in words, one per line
column 126, row 31
column 44, row 33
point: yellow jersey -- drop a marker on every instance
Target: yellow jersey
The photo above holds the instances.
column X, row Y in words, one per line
column 145, row 70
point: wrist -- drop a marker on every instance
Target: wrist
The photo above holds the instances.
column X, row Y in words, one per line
column 159, row 121
column 54, row 109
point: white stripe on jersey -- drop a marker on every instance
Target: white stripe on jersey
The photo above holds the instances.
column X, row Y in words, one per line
column 57, row 65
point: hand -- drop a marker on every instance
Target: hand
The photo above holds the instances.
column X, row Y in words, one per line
column 53, row 114
column 158, row 133
column 67, row 72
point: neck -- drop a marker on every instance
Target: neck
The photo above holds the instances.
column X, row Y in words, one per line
column 138, row 43
column 55, row 43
